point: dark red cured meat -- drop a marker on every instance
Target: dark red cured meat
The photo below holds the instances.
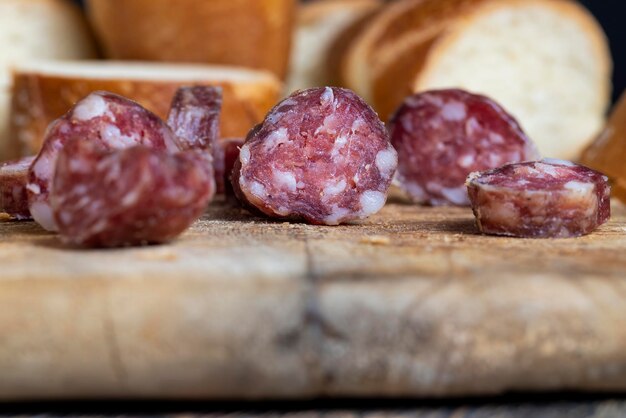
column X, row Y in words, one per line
column 132, row 196
column 230, row 149
column 13, row 180
column 195, row 119
column 321, row 155
column 195, row 116
column 112, row 121
column 542, row 199
column 443, row 135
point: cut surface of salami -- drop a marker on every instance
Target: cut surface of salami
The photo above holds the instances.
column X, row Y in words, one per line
column 133, row 196
column 195, row 119
column 195, row 116
column 443, row 135
column 542, row 199
column 112, row 121
column 13, row 180
column 321, row 155
column 230, row 151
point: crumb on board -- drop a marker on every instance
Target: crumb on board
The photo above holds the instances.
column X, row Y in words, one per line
column 376, row 240
column 4, row 217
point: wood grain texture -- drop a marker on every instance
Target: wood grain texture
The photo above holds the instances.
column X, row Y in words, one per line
column 412, row 302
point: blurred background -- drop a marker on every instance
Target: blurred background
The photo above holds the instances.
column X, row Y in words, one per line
column 610, row 14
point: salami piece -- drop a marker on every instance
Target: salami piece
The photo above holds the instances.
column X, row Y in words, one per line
column 13, row 180
column 322, row 155
column 195, row 119
column 443, row 135
column 230, row 149
column 112, row 121
column 195, row 116
column 543, row 199
column 133, row 196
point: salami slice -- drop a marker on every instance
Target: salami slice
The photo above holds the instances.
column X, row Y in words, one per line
column 321, row 155
column 443, row 135
column 13, row 180
column 195, row 116
column 132, row 196
column 547, row 198
column 112, row 121
column 195, row 119
column 230, row 149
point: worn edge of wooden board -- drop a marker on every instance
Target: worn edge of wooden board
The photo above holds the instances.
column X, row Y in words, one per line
column 410, row 303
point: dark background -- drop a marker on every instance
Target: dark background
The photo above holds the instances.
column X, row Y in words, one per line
column 612, row 16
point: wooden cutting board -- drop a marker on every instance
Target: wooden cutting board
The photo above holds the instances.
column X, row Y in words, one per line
column 412, row 302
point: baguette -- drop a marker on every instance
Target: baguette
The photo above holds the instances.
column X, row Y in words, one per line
column 319, row 24
column 43, row 91
column 547, row 61
column 250, row 33
column 389, row 40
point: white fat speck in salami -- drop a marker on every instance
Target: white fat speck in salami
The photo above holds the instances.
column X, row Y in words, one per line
column 443, row 135
column 92, row 106
column 110, row 121
column 540, row 199
column 322, row 155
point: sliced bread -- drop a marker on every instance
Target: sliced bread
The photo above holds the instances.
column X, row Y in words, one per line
column 318, row 25
column 255, row 34
column 45, row 90
column 37, row 29
column 387, row 50
column 546, row 61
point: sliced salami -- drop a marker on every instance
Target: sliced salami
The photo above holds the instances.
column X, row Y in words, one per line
column 443, row 135
column 321, row 155
column 133, row 196
column 112, row 121
column 543, row 199
column 230, row 150
column 195, row 119
column 13, row 180
column 195, row 116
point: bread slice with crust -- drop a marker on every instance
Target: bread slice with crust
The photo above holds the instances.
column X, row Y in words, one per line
column 546, row 61
column 45, row 90
column 385, row 56
column 318, row 26
column 249, row 33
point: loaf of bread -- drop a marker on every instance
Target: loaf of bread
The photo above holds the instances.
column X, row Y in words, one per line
column 546, row 61
column 608, row 152
column 45, row 90
column 251, row 33
column 41, row 29
column 389, row 47
column 318, row 24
